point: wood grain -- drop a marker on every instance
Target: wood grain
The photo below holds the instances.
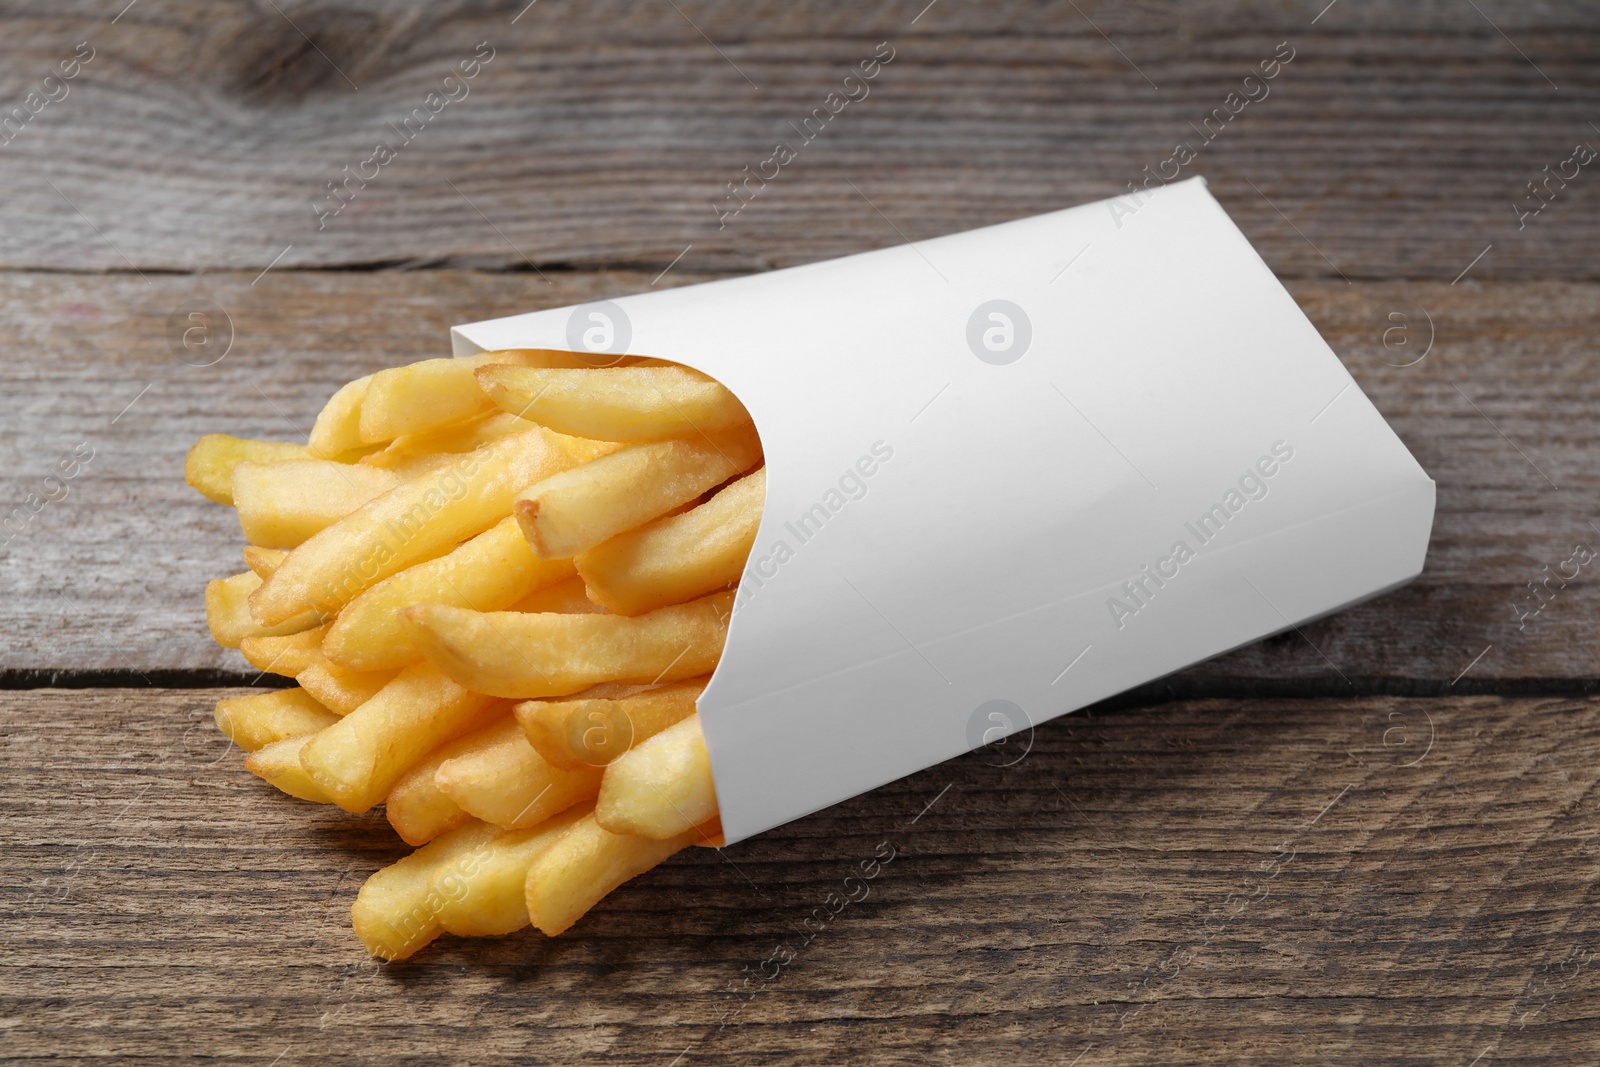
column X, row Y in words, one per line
column 1373, row 881
column 109, row 578
column 1397, row 143
column 1398, row 871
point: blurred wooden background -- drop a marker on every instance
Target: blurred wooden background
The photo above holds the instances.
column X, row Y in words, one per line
column 1370, row 843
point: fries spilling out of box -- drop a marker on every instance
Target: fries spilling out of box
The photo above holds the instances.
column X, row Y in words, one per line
column 559, row 608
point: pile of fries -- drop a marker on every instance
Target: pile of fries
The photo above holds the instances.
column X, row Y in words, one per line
column 500, row 585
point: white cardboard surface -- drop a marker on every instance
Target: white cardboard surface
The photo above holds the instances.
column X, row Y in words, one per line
column 1008, row 505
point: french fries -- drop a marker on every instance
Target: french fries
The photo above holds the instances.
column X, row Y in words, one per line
column 415, row 521
column 339, row 690
column 287, row 655
column 574, row 510
column 615, row 404
column 503, row 780
column 279, row 763
column 514, row 654
column 492, row 571
column 678, row 557
column 394, row 912
column 228, row 612
column 492, row 898
column 411, row 452
column 358, row 759
column 586, row 863
column 570, row 597
column 258, row 720
column 438, row 392
column 209, row 465
column 338, row 426
column 417, row 809
column 263, row 561
column 281, row 504
column 661, row 787
column 590, row 731
column 459, row 534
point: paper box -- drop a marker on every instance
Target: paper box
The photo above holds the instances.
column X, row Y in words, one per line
column 1012, row 472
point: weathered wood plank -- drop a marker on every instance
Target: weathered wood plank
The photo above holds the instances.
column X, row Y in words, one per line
column 1397, row 142
column 109, row 578
column 1376, row 881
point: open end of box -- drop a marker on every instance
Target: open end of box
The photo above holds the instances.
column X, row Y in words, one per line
column 684, row 427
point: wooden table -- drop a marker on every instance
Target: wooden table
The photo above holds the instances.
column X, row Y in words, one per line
column 1370, row 842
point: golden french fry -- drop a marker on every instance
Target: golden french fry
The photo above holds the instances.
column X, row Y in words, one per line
column 263, row 561
column 415, row 521
column 678, row 557
column 279, row 764
column 358, row 759
column 258, row 720
column 209, row 465
column 588, row 731
column 228, row 612
column 338, row 426
column 505, row 782
column 711, row 835
column 586, row 863
column 493, row 897
column 492, row 571
column 341, row 691
column 661, row 787
column 617, row 403
column 415, row 807
column 569, row 597
column 405, row 454
column 287, row 655
column 510, row 654
column 281, row 504
column 394, row 913
column 432, row 528
column 439, row 392
column 613, row 690
column 571, row 512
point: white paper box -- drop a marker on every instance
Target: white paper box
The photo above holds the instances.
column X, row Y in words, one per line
column 1031, row 466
